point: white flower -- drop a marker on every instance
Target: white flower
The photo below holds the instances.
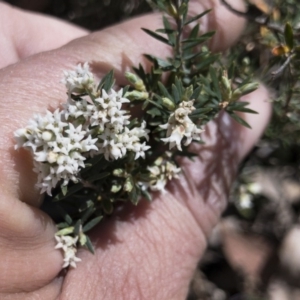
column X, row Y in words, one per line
column 52, row 157
column 180, row 127
column 70, row 258
column 160, row 173
column 57, row 148
column 47, row 136
column 245, row 201
column 79, row 80
column 68, row 245
column 77, row 109
column 140, row 150
column 61, row 141
column 254, row 188
column 88, row 144
column 175, row 137
column 113, row 150
column 171, row 170
column 158, row 185
column 141, row 131
column 99, row 118
column 65, row 241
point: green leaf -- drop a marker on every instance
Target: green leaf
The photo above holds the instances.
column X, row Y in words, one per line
column 195, row 18
column 146, row 195
column 239, row 104
column 145, row 104
column 64, row 189
column 167, row 25
column 155, row 103
column 125, row 89
column 107, row 206
column 215, row 80
column 242, row 109
column 164, row 64
column 196, row 94
column 77, row 227
column 107, row 82
column 194, row 42
column 166, row 31
column 175, row 94
column 98, row 176
column 157, row 36
column 92, row 224
column 192, row 56
column 62, row 225
column 134, row 196
column 194, row 32
column 164, row 90
column 289, row 36
column 87, row 214
column 72, row 190
column 231, row 70
column 179, row 87
column 239, row 119
column 201, row 111
column 207, row 61
column 154, row 112
column 65, row 215
column 247, row 110
column 89, row 245
column 182, row 11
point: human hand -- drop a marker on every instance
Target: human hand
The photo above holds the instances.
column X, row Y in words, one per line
column 144, row 252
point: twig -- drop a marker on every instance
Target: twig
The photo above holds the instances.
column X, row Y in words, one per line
column 281, row 69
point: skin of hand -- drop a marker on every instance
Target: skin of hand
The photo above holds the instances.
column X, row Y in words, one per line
column 144, row 252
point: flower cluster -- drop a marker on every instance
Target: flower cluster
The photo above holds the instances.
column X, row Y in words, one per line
column 107, row 121
column 180, row 126
column 160, row 173
column 116, row 138
column 68, row 245
column 61, row 141
column 58, row 148
column 79, row 80
column 247, row 193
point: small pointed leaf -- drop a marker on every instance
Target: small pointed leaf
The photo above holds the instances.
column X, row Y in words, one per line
column 289, row 36
column 92, row 224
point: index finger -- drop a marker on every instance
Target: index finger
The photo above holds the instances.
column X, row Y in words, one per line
column 26, row 33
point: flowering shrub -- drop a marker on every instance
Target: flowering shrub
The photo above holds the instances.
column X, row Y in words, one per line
column 95, row 151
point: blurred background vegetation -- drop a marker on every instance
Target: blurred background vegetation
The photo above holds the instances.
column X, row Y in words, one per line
column 254, row 251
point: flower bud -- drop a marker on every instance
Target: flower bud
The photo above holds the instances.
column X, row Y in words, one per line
column 115, row 188
column 226, row 88
column 188, row 93
column 82, row 239
column 47, row 136
column 136, row 95
column 244, row 90
column 52, row 157
column 128, row 186
column 254, row 188
column 167, row 103
column 65, row 231
column 172, row 10
column 119, row 172
column 136, row 81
